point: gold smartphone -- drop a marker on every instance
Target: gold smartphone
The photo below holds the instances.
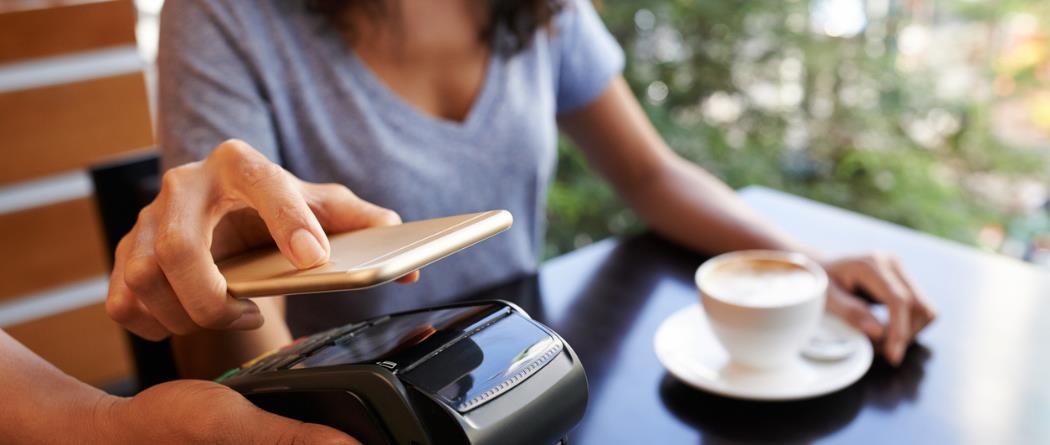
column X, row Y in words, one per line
column 364, row 258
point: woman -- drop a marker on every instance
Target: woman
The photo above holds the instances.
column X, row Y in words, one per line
column 429, row 108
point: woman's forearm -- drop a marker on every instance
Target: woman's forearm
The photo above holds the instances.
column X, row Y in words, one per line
column 673, row 196
column 690, row 206
column 693, row 208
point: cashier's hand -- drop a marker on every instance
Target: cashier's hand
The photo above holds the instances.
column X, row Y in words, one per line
column 165, row 280
column 201, row 412
column 881, row 278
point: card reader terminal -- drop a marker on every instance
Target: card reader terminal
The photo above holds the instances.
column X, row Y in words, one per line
column 477, row 373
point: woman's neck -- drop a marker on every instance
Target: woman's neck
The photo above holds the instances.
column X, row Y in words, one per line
column 419, row 29
column 429, row 52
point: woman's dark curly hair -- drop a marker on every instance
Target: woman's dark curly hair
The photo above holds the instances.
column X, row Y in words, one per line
column 519, row 18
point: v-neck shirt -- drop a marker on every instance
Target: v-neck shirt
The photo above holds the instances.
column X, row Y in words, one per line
column 398, row 110
column 281, row 78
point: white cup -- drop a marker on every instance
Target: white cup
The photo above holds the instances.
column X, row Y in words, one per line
column 764, row 319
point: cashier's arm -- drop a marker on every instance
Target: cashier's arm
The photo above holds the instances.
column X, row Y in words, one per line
column 43, row 405
column 685, row 203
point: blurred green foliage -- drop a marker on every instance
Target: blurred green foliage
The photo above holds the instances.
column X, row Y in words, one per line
column 750, row 91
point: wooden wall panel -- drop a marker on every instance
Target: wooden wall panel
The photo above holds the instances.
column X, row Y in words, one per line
column 31, row 29
column 58, row 128
column 83, row 342
column 49, row 246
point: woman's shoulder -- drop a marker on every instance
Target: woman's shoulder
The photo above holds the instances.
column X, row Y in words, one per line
column 569, row 14
column 262, row 33
column 238, row 17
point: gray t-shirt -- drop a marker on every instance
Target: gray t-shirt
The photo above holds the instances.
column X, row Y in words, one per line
column 283, row 79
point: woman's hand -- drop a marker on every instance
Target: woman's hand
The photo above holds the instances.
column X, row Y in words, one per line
column 165, row 280
column 200, row 412
column 881, row 278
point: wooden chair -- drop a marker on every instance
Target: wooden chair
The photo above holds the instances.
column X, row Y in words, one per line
column 73, row 93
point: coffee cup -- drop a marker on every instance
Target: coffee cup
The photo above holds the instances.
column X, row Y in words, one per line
column 762, row 306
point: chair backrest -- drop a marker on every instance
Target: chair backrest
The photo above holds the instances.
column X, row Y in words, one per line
column 122, row 188
column 73, row 93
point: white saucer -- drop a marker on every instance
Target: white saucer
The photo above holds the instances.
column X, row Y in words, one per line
column 687, row 348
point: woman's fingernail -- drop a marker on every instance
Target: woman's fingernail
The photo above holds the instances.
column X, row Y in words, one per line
column 897, row 355
column 306, row 250
column 251, row 317
column 247, row 307
column 247, row 321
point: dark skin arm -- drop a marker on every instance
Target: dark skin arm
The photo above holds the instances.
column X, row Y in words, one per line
column 690, row 206
column 43, row 405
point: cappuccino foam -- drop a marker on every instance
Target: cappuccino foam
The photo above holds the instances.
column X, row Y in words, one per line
column 761, row 283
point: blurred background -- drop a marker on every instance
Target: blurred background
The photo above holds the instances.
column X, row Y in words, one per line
column 931, row 114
